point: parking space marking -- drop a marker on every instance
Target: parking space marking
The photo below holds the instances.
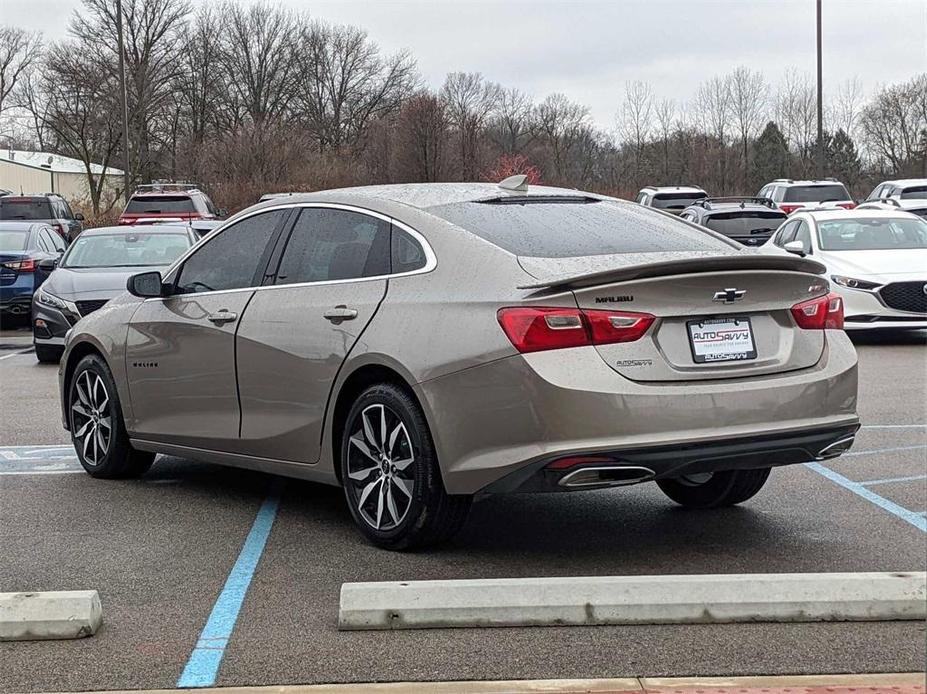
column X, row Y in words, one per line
column 894, row 426
column 15, row 354
column 885, row 450
column 890, row 480
column 39, row 460
column 203, row 665
column 915, row 519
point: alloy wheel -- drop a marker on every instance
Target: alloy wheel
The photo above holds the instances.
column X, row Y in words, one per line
column 91, row 417
column 379, row 460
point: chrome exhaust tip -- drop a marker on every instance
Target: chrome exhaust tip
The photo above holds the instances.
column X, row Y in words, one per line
column 605, row 476
column 836, row 448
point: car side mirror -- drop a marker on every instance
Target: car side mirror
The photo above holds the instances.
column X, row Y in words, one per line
column 223, row 212
column 48, row 264
column 146, row 285
column 796, row 247
column 79, row 217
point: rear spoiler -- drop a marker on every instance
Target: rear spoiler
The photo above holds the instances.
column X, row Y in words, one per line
column 686, row 266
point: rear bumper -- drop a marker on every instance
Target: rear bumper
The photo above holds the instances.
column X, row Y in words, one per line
column 16, row 298
column 522, row 412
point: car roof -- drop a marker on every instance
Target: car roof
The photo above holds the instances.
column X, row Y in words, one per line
column 425, row 195
column 814, row 182
column 826, row 215
column 128, row 230
column 674, row 189
column 904, row 182
column 22, row 226
column 30, row 196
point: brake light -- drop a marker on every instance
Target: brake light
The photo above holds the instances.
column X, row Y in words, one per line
column 62, row 230
column 846, row 205
column 533, row 329
column 822, row 313
column 27, row 265
column 788, row 209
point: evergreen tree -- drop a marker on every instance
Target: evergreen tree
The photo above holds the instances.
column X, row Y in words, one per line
column 842, row 158
column 771, row 157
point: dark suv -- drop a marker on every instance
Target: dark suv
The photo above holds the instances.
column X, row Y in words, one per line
column 751, row 221
column 50, row 208
column 158, row 203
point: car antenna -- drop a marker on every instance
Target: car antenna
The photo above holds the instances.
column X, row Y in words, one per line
column 518, row 183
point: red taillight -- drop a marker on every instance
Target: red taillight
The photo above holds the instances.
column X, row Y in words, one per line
column 62, row 230
column 27, row 265
column 788, row 209
column 537, row 329
column 846, row 205
column 822, row 313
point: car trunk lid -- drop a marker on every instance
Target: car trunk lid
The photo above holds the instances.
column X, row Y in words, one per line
column 715, row 316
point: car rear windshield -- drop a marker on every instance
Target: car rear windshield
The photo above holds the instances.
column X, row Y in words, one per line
column 745, row 222
column 569, row 230
column 125, row 250
column 816, row 193
column 161, row 204
column 13, row 241
column 914, row 193
column 675, row 201
column 872, row 234
column 25, row 208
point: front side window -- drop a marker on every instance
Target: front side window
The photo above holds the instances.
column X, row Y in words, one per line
column 804, row 235
column 872, row 234
column 125, row 250
column 328, row 244
column 231, row 259
column 786, row 233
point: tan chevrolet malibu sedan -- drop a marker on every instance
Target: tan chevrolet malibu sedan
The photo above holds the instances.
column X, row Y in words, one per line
column 419, row 345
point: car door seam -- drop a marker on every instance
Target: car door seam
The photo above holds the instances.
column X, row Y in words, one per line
column 238, row 323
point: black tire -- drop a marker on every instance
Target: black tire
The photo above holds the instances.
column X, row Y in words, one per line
column 92, row 403
column 48, row 354
column 721, row 489
column 428, row 515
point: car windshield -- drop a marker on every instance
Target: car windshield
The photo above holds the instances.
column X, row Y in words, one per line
column 816, row 193
column 675, row 201
column 125, row 250
column 24, row 208
column 745, row 222
column 160, row 204
column 872, row 234
column 569, row 230
column 11, row 241
column 914, row 193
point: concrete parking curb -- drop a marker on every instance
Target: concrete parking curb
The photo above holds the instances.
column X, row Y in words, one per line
column 897, row 683
column 701, row 599
column 70, row 614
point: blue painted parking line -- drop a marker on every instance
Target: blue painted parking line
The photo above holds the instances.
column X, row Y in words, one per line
column 38, row 460
column 203, row 665
column 891, row 480
column 915, row 519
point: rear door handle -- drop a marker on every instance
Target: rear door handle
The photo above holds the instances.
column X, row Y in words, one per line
column 222, row 316
column 340, row 313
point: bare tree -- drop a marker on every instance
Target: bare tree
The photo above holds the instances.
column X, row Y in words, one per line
column 422, row 129
column 895, row 126
column 20, row 52
column 712, row 110
column 635, row 118
column 749, row 95
column 846, row 105
column 469, row 101
column 561, row 123
column 344, row 83
column 512, row 127
column 665, row 116
column 796, row 114
column 259, row 60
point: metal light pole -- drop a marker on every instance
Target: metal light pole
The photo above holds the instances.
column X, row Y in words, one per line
column 124, row 102
column 820, row 148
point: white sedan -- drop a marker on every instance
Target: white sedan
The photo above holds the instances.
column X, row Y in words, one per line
column 876, row 260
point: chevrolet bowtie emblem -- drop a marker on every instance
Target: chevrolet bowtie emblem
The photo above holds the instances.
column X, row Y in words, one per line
column 729, row 296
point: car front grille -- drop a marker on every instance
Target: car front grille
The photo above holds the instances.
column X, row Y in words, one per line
column 905, row 296
column 89, row 306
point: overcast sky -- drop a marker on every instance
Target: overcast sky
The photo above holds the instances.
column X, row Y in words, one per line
column 589, row 49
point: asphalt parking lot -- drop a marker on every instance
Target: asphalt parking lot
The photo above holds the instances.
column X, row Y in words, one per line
column 160, row 549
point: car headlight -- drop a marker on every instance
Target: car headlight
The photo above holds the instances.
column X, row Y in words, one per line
column 47, row 299
column 853, row 283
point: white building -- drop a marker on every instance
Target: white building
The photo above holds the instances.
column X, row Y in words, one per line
column 40, row 172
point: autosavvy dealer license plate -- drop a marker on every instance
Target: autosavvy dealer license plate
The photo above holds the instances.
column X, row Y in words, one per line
column 721, row 339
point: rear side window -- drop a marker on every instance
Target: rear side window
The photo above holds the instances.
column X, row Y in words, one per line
column 567, row 230
column 914, row 193
column 160, row 204
column 406, row 254
column 231, row 259
column 815, row 193
column 328, row 244
column 745, row 223
column 675, row 201
column 25, row 208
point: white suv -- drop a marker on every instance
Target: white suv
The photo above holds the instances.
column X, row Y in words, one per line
column 672, row 199
column 792, row 195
